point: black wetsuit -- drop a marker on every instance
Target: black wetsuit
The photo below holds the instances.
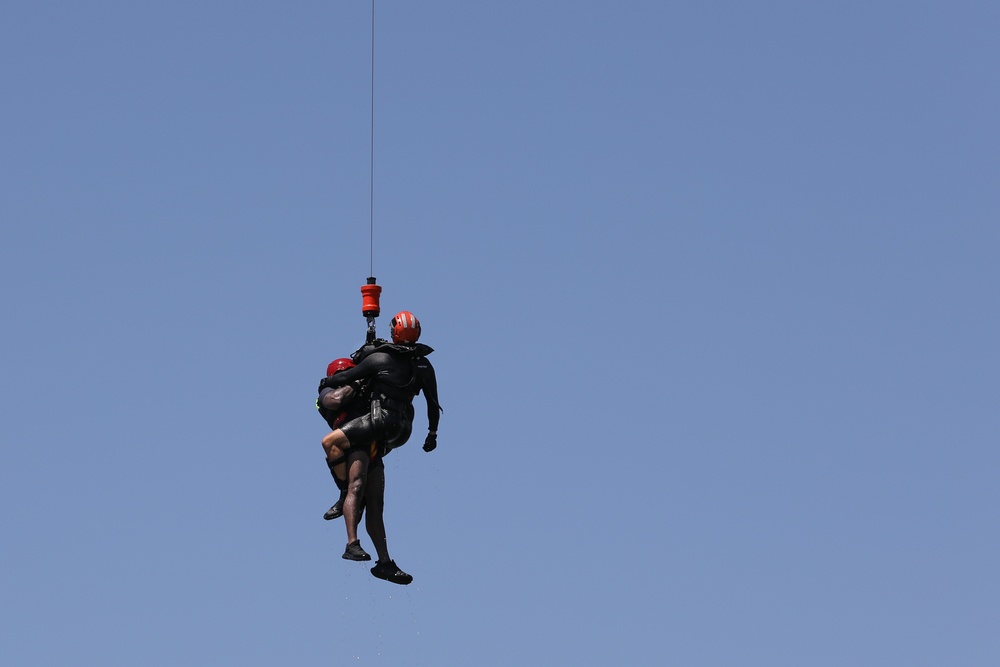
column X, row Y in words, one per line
column 397, row 374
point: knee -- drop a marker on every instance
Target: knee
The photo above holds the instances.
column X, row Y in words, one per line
column 331, row 439
column 332, row 453
column 357, row 485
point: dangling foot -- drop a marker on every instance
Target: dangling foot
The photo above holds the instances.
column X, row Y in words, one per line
column 355, row 552
column 390, row 572
column 338, row 508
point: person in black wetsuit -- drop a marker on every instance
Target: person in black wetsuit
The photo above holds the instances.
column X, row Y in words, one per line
column 396, row 373
column 338, row 406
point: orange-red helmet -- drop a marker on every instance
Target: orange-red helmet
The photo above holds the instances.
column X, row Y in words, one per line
column 405, row 327
column 338, row 365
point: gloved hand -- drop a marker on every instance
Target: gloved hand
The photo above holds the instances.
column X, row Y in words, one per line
column 430, row 442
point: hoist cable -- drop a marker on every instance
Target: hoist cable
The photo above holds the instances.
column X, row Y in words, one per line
column 371, row 162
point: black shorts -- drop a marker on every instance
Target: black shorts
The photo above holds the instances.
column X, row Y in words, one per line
column 390, row 428
column 360, row 431
column 360, row 435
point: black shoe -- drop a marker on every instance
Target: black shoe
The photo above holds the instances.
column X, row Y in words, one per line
column 355, row 552
column 390, row 572
column 338, row 508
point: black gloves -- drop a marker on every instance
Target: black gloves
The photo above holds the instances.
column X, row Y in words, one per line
column 430, row 442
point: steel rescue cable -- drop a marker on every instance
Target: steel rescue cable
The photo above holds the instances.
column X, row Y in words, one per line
column 370, row 291
column 371, row 161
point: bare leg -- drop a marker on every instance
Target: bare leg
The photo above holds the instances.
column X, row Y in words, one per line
column 335, row 443
column 375, row 503
column 357, row 466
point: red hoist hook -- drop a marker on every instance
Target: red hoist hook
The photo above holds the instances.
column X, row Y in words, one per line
column 369, row 305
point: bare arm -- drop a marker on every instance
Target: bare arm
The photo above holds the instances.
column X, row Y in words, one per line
column 335, row 400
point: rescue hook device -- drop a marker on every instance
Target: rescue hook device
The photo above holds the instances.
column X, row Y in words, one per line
column 369, row 305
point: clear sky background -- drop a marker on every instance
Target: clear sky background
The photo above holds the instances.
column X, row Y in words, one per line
column 712, row 288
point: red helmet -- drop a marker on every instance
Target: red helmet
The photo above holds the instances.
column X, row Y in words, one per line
column 405, row 327
column 338, row 365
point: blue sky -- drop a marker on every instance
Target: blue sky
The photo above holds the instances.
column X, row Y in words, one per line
column 712, row 288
